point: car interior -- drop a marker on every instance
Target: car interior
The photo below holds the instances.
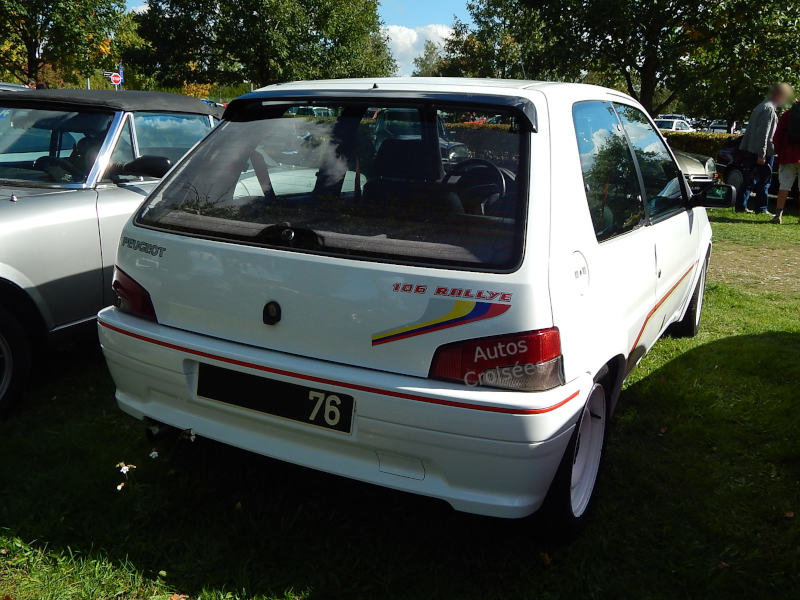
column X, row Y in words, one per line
column 50, row 146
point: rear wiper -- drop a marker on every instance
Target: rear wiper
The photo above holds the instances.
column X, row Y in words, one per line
column 284, row 234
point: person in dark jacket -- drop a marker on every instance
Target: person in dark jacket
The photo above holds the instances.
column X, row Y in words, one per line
column 758, row 149
column 787, row 145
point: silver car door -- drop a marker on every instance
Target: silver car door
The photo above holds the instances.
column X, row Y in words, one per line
column 51, row 240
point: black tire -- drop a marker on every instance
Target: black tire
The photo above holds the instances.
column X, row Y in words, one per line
column 690, row 324
column 567, row 507
column 15, row 360
column 735, row 178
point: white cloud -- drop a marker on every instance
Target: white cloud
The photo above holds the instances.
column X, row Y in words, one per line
column 140, row 8
column 407, row 43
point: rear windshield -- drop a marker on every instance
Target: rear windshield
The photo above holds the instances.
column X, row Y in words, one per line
column 418, row 184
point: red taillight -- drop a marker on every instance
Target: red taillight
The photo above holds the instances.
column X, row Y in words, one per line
column 529, row 361
column 131, row 297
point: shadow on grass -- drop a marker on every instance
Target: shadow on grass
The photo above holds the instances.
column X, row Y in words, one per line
column 216, row 518
column 730, row 218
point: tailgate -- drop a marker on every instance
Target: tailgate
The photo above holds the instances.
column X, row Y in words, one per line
column 356, row 312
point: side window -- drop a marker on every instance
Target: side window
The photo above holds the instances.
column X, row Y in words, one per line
column 67, row 143
column 609, row 175
column 123, row 151
column 660, row 174
column 169, row 134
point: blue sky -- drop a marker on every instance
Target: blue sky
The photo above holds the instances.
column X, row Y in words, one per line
column 408, row 23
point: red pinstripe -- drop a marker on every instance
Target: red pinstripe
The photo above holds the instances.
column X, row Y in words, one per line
column 658, row 305
column 352, row 386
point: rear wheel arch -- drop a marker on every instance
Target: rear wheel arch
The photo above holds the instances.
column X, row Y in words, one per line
column 611, row 376
column 16, row 301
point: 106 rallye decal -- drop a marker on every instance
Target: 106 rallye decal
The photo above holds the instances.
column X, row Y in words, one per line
column 442, row 313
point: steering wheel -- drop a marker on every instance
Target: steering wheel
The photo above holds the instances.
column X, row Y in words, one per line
column 473, row 164
column 45, row 163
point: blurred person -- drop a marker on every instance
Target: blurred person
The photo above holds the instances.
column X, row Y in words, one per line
column 758, row 149
column 787, row 145
column 41, row 85
column 31, row 83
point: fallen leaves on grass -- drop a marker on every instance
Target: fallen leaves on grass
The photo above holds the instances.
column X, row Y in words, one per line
column 125, row 469
column 179, row 597
column 789, row 514
column 545, row 558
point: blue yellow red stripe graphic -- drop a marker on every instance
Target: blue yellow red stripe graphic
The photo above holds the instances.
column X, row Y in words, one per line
column 442, row 314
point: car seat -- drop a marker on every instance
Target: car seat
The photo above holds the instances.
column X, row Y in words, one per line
column 406, row 179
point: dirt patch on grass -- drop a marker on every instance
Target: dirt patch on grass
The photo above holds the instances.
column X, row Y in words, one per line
column 774, row 269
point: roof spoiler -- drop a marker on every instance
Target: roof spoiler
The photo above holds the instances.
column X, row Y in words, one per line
column 255, row 105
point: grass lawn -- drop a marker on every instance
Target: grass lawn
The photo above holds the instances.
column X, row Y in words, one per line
column 698, row 497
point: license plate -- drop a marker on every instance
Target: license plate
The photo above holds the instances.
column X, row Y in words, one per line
column 312, row 406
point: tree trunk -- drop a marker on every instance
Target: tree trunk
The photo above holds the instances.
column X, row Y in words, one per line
column 647, row 85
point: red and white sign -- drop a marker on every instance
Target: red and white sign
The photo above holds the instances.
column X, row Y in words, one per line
column 116, row 78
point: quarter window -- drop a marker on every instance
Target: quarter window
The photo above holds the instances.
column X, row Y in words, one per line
column 609, row 175
column 123, row 151
column 660, row 174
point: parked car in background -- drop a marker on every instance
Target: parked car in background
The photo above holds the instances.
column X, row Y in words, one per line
column 718, row 127
column 673, row 125
column 700, row 171
column 733, row 172
column 12, row 87
column 74, row 164
column 674, row 117
column 462, row 333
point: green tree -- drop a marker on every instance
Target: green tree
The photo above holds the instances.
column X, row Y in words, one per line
column 263, row 41
column 128, row 44
column 505, row 40
column 62, row 34
column 744, row 66
column 665, row 49
column 179, row 42
column 428, row 63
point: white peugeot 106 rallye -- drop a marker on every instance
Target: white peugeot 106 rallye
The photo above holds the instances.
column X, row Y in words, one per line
column 434, row 285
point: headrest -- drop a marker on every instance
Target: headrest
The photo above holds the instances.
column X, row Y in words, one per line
column 410, row 160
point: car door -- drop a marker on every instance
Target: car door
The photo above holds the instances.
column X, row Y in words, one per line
column 50, row 239
column 148, row 133
column 674, row 229
column 622, row 266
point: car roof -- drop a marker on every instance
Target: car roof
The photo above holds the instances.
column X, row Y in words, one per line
column 127, row 100
column 13, row 87
column 423, row 83
column 502, row 92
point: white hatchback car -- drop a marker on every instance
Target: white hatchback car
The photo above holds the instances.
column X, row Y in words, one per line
column 295, row 290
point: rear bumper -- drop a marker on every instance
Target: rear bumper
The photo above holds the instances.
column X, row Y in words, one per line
column 483, row 451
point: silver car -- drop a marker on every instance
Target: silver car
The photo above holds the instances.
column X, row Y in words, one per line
column 700, row 171
column 74, row 165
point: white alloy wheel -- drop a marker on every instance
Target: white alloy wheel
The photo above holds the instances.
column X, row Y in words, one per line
column 588, row 450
